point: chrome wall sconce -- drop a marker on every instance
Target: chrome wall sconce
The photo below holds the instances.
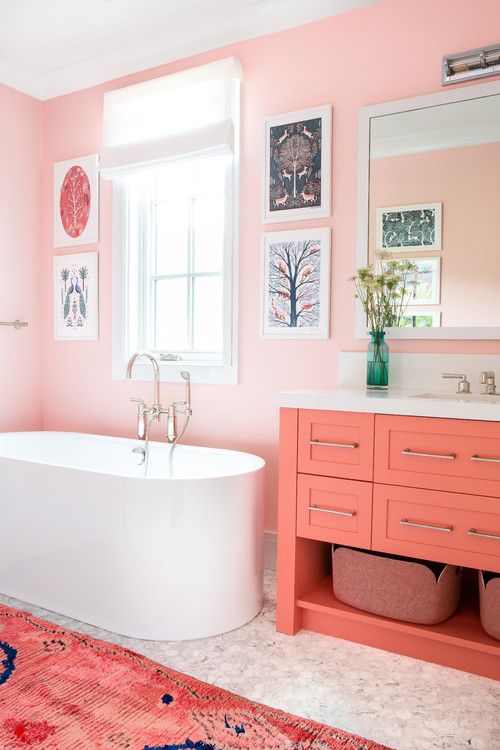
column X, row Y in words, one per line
column 474, row 63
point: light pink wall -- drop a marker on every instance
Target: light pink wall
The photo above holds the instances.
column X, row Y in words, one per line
column 20, row 282
column 467, row 182
column 351, row 60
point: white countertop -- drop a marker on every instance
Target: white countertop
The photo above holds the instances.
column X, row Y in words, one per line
column 394, row 401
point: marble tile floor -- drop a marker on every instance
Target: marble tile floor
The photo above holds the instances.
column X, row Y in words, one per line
column 401, row 702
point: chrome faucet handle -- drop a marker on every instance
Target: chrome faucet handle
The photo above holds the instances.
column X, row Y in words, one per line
column 487, row 378
column 463, row 385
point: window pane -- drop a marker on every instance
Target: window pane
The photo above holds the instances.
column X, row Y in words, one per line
column 208, row 234
column 172, row 234
column 210, row 175
column 208, row 314
column 175, row 180
column 171, row 315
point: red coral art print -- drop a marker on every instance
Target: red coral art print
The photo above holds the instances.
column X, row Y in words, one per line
column 74, row 202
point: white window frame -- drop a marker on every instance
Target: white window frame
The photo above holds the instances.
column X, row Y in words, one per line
column 224, row 372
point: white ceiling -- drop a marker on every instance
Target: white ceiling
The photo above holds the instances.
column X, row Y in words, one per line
column 52, row 47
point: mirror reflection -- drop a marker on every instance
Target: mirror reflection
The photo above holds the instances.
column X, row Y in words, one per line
column 434, row 198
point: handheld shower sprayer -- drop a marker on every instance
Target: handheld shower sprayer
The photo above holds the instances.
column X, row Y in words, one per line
column 187, row 378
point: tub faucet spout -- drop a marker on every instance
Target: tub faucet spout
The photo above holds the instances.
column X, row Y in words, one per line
column 156, row 373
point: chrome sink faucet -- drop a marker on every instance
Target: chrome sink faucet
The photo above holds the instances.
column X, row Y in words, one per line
column 487, row 378
column 463, row 385
column 146, row 415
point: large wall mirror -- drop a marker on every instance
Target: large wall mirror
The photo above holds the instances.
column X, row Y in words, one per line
column 429, row 191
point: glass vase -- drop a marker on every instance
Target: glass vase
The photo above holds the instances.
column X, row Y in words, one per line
column 377, row 373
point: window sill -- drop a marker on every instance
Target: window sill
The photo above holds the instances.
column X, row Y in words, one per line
column 170, row 372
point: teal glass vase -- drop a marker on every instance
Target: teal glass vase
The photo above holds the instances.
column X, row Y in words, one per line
column 377, row 373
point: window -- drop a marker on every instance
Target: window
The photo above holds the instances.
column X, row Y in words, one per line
column 174, row 229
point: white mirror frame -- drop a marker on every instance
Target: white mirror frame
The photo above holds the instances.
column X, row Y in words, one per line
column 388, row 108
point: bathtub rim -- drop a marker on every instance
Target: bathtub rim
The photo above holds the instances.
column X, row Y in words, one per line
column 259, row 467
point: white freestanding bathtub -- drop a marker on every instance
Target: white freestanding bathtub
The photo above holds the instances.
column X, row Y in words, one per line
column 85, row 534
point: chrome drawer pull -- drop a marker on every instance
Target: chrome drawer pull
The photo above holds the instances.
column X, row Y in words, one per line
column 406, row 522
column 335, row 445
column 473, row 532
column 447, row 456
column 349, row 513
column 486, row 460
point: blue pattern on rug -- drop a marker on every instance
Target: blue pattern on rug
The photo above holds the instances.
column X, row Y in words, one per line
column 167, row 699
column 188, row 745
column 8, row 663
column 238, row 729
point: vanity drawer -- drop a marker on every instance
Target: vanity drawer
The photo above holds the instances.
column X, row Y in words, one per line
column 457, row 455
column 334, row 510
column 336, row 444
column 443, row 526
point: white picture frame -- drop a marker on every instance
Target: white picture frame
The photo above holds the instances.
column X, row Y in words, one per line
column 417, row 228
column 76, row 297
column 428, row 288
column 76, row 201
column 287, row 314
column 306, row 180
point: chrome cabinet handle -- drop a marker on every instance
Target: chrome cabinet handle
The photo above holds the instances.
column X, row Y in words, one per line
column 475, row 457
column 406, row 522
column 447, row 456
column 349, row 513
column 474, row 532
column 334, row 445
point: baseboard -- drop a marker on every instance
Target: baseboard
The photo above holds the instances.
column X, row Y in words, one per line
column 270, row 550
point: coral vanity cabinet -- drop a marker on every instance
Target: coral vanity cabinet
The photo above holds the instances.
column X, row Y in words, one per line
column 422, row 487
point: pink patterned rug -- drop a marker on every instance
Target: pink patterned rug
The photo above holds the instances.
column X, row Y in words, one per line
column 61, row 690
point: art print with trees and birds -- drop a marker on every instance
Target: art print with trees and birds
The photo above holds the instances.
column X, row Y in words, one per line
column 295, row 165
column 294, row 284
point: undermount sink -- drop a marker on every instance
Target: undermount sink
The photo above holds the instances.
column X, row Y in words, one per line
column 460, row 397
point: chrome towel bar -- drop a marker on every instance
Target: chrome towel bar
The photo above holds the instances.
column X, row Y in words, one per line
column 17, row 324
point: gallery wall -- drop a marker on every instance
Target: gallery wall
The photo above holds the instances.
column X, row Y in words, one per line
column 20, row 260
column 386, row 51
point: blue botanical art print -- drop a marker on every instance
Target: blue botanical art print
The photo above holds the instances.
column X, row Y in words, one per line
column 295, row 165
column 294, row 284
column 409, row 227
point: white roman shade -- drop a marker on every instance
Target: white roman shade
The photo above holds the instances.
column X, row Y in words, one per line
column 185, row 113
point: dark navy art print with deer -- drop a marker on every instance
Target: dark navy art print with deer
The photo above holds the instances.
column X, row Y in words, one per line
column 298, row 165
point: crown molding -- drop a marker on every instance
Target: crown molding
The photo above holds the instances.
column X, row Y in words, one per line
column 437, row 140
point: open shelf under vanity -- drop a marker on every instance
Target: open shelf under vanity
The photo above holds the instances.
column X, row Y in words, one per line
column 460, row 639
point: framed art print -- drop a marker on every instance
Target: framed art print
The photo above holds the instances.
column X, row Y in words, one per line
column 297, row 165
column 409, row 228
column 76, row 202
column 427, row 290
column 76, row 297
column 295, row 299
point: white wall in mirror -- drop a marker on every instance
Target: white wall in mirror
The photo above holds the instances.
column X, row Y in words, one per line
column 428, row 170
